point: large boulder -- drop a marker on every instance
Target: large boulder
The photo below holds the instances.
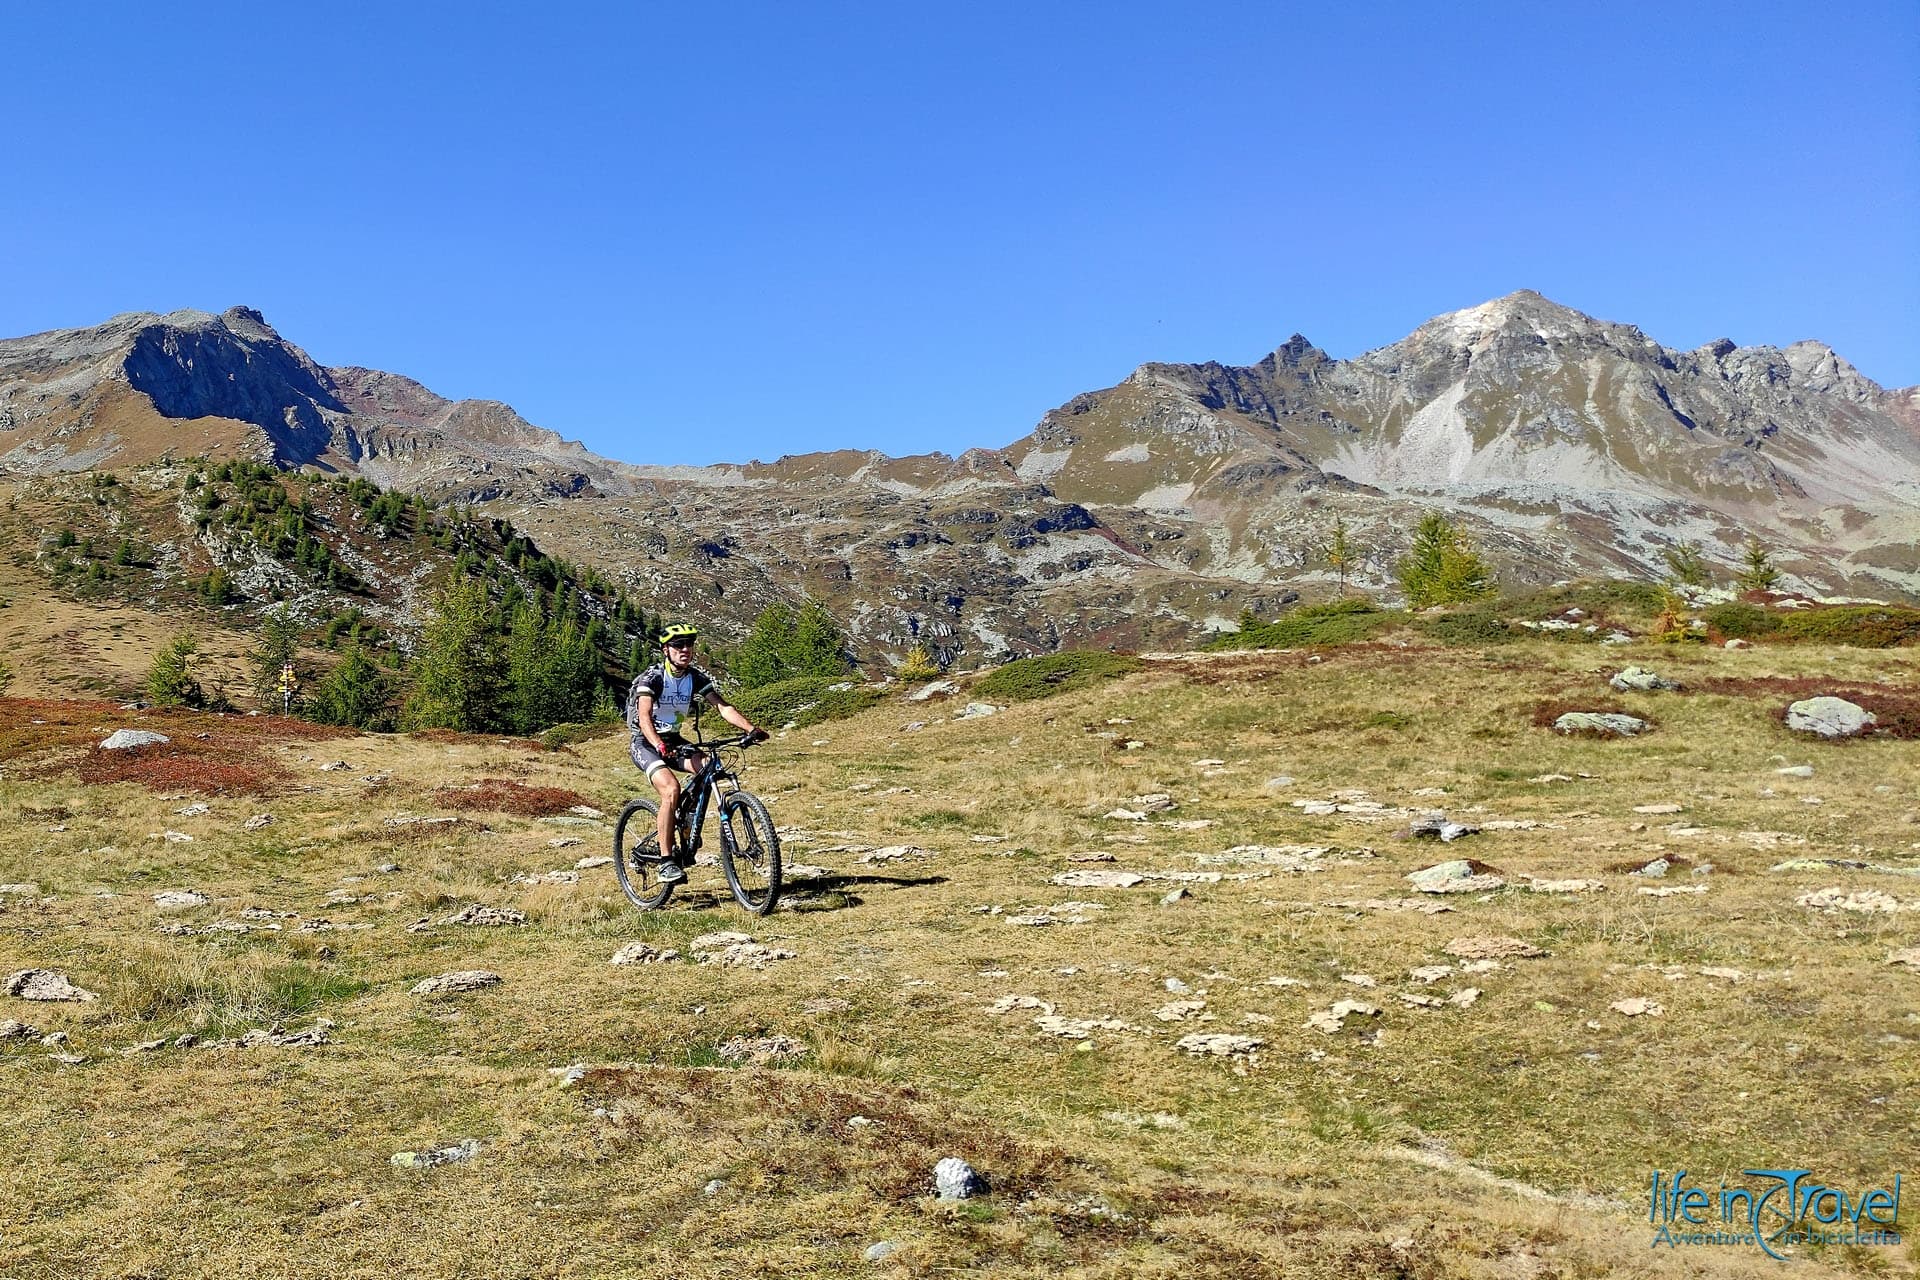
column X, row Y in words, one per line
column 1829, row 717
column 1640, row 680
column 1606, row 724
column 123, row 739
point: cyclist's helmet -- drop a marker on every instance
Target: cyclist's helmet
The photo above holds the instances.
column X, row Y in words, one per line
column 677, row 631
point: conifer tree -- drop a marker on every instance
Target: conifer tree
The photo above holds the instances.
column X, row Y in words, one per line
column 1442, row 567
column 170, row 681
column 457, row 679
column 1340, row 553
column 356, row 692
column 278, row 644
column 1757, row 572
column 1686, row 565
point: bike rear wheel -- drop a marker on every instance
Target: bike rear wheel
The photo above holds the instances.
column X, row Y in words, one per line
column 636, row 855
column 750, row 852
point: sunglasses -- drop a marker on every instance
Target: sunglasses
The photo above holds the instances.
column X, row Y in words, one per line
column 679, row 644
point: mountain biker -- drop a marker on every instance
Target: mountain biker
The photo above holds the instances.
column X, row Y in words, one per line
column 656, row 702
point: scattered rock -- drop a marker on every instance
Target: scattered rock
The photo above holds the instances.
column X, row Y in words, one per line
column 1090, row 857
column 1082, row 1028
column 731, row 950
column 977, row 711
column 1606, row 724
column 464, row 1150
column 19, row 890
column 1462, row 875
column 1566, row 886
column 459, row 980
column 1659, row 808
column 1655, row 870
column 335, row 766
column 936, row 689
column 1671, row 890
column 1125, row 815
column 1492, row 948
column 1464, row 998
column 1152, row 802
column 13, row 1030
column 1737, row 643
column 1007, row 1004
column 1275, row 784
column 124, row 739
column 1829, row 717
column 1098, row 879
column 588, row 864
column 45, row 984
column 955, row 1179
column 643, row 953
column 1864, row 902
column 1796, row 771
column 1330, row 1020
column 1430, row 973
column 1641, row 680
column 1436, row 823
column 479, row 915
column 563, row 842
column 896, row 853
column 1908, row 956
column 195, row 810
column 586, row 811
column 1172, row 896
column 1638, row 1006
column 257, row 822
column 172, row 837
column 1220, row 1044
column 881, row 1250
column 760, row 1050
column 1179, row 1010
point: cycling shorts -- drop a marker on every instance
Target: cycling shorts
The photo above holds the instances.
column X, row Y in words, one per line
column 648, row 760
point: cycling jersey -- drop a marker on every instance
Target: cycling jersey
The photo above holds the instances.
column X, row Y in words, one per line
column 673, row 696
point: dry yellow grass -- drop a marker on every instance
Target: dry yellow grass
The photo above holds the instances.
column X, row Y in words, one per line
column 1332, row 1155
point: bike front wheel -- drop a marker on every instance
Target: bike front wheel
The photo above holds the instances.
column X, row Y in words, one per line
column 636, row 855
column 750, row 852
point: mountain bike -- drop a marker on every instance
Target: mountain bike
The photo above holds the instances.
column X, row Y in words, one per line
column 749, row 846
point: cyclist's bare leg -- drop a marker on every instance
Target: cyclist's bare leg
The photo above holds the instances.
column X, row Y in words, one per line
column 667, row 785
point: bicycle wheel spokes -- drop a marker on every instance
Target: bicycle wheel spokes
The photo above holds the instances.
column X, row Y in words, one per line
column 636, row 855
column 750, row 852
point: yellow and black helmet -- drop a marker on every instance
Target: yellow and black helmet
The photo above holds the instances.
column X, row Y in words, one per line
column 678, row 631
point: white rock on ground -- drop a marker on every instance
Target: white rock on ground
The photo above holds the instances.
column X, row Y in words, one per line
column 955, row 1179
column 1219, row 1044
column 257, row 822
column 1829, row 717
column 1330, row 1020
column 1638, row 1006
column 123, row 739
column 1098, row 879
column 1604, row 723
column 479, row 915
column 643, row 953
column 1492, row 948
column 45, row 984
column 459, row 980
column 1639, row 679
column 19, row 890
column 460, row 1152
column 176, row 899
column 1458, row 876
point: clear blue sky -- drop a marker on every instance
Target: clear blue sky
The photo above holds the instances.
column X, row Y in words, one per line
column 698, row 233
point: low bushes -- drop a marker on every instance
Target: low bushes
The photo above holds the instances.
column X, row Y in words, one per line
column 1335, row 622
column 804, row 700
column 1862, row 626
column 1025, row 679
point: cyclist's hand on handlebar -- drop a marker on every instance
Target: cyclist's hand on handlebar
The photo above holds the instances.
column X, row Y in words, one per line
column 757, row 735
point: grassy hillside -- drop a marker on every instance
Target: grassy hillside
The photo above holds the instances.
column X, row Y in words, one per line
column 1507, row 1133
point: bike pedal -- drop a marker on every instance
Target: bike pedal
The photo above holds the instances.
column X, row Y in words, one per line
column 670, row 873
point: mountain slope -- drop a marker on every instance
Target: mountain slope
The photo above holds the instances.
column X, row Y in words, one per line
column 1144, row 513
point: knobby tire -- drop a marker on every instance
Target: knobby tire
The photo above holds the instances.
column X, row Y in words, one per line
column 750, row 852
column 636, row 859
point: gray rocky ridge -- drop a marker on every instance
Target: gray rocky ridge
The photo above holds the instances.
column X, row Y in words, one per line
column 1145, row 513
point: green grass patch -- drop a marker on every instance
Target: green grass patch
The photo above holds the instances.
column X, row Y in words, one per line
column 1025, row 679
column 1470, row 627
column 1741, row 621
column 805, row 700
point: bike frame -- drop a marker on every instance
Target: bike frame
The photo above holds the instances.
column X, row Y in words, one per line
column 690, row 814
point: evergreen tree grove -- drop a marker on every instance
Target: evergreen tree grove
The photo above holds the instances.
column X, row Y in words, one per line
column 355, row 692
